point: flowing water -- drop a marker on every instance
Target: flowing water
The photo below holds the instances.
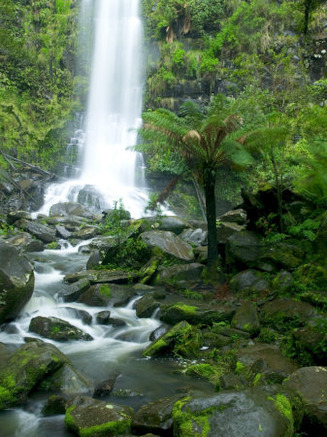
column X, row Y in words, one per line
column 110, row 171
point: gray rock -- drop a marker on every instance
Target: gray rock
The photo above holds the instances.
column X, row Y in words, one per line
column 184, row 272
column 26, row 243
column 155, row 417
column 233, row 414
column 107, row 295
column 169, row 243
column 245, row 247
column 195, row 313
column 74, row 291
column 43, row 232
column 62, row 232
column 246, row 319
column 86, row 414
column 226, row 230
column 310, row 385
column 69, row 209
column 66, row 380
column 57, row 329
column 249, row 281
column 196, row 237
column 104, row 318
column 16, row 282
column 238, row 216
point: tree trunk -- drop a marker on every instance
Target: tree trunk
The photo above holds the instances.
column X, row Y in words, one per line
column 209, row 178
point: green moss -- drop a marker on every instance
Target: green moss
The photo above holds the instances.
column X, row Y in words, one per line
column 283, row 406
column 105, row 291
column 69, row 420
column 239, row 367
column 257, row 379
column 107, row 429
column 155, row 348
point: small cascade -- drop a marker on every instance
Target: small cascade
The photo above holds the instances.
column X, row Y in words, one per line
column 71, row 167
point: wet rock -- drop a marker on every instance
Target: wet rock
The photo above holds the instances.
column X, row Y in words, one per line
column 226, row 230
column 43, row 232
column 169, row 243
column 85, row 233
column 107, row 294
column 16, row 282
column 67, row 209
column 55, row 405
column 196, row 237
column 27, row 367
column 82, row 315
column 103, row 276
column 73, row 291
column 311, row 340
column 13, row 216
column 155, row 417
column 246, row 319
column 88, row 416
column 249, row 282
column 244, row 248
column 238, row 216
column 104, row 388
column 283, row 255
column 160, row 331
column 267, row 361
column 147, row 305
column 195, row 314
column 185, row 272
column 66, row 380
column 62, row 232
column 232, row 414
column 57, row 329
column 182, row 340
column 309, row 384
column 279, row 313
column 104, row 318
column 26, row 243
column 168, row 223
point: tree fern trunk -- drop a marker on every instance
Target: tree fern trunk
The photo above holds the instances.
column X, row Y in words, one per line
column 209, row 178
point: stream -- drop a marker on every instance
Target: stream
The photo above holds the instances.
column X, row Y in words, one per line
column 113, row 351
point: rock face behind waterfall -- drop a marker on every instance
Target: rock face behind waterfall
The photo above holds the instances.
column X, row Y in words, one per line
column 16, row 282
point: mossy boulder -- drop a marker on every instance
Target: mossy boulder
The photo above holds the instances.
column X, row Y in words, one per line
column 26, row 368
column 103, row 295
column 155, row 417
column 195, row 313
column 244, row 248
column 25, row 242
column 91, row 417
column 246, row 319
column 309, row 384
column 57, row 329
column 148, row 304
column 182, row 339
column 249, row 282
column 283, row 255
column 284, row 314
column 16, row 282
column 251, row 413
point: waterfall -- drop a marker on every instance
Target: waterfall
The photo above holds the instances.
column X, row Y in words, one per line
column 110, row 170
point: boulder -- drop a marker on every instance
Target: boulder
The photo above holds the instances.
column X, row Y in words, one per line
column 195, row 313
column 173, row 224
column 310, row 385
column 87, row 416
column 169, row 243
column 66, row 380
column 250, row 413
column 26, row 243
column 102, row 295
column 16, row 282
column 238, row 216
column 226, row 230
column 249, row 282
column 196, row 237
column 73, row 291
column 283, row 255
column 280, row 313
column 165, row 344
column 62, row 232
column 27, row 367
column 147, row 305
column 244, row 248
column 104, row 318
column 103, row 276
column 183, row 272
column 67, row 209
column 43, row 232
column 246, row 319
column 57, row 329
column 155, row 417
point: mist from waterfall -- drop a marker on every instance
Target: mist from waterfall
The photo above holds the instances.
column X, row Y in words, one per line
column 110, row 171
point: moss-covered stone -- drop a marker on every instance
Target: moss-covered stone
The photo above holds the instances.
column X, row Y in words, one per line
column 89, row 417
column 27, row 367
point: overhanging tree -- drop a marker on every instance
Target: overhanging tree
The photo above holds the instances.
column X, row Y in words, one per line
column 205, row 140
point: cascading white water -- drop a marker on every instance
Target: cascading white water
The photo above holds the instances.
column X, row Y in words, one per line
column 113, row 111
